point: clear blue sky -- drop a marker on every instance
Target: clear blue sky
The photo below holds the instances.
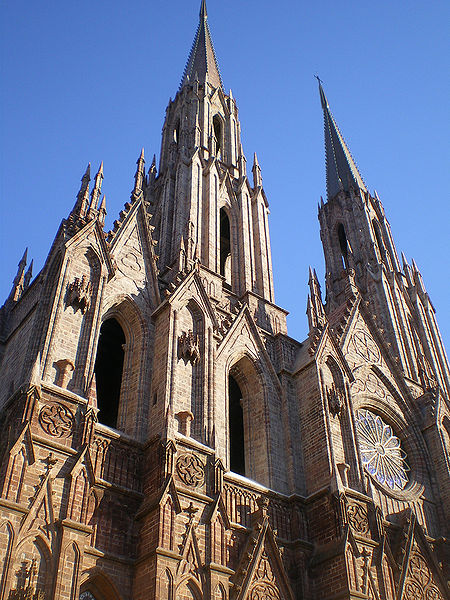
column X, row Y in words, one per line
column 90, row 80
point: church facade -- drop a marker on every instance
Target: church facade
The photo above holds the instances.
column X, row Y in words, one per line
column 162, row 436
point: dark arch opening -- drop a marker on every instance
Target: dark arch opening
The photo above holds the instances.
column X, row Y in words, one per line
column 343, row 244
column 176, row 133
column 236, row 427
column 108, row 371
column 217, row 126
column 225, row 245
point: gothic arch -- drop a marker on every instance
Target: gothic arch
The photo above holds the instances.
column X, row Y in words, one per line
column 131, row 405
column 248, row 375
column 225, row 244
column 34, row 547
column 219, row 592
column 188, row 589
column 6, row 543
column 99, row 584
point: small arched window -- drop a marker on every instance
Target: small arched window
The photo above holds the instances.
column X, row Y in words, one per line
column 225, row 246
column 343, row 244
column 176, row 132
column 236, row 427
column 217, row 127
column 108, row 371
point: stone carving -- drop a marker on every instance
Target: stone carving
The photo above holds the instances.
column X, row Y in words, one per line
column 358, row 518
column 264, row 591
column 190, row 469
column 370, row 384
column 56, row 420
column 188, row 347
column 419, row 582
column 79, row 294
column 26, row 589
column 365, row 346
column 335, row 400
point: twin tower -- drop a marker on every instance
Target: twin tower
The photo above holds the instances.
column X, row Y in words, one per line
column 163, row 438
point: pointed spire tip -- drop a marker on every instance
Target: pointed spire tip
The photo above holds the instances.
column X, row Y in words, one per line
column 203, row 11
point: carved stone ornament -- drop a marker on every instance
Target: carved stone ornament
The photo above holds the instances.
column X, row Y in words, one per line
column 79, row 294
column 264, row 591
column 365, row 346
column 188, row 347
column 190, row 470
column 358, row 518
column 26, row 589
column 56, row 420
column 419, row 583
column 335, row 400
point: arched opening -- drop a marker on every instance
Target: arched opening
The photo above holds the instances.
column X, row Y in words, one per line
column 343, row 244
column 176, row 132
column 217, row 127
column 108, row 371
column 236, row 427
column 225, row 246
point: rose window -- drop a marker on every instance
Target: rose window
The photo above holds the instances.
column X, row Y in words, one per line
column 380, row 449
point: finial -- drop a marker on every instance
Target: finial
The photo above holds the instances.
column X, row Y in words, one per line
column 323, row 98
column 102, row 211
column 203, row 11
column 23, row 260
column 97, row 188
column 139, row 176
column 82, row 201
column 256, row 170
column 28, row 275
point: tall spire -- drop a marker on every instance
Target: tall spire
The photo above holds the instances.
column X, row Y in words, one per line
column 342, row 172
column 202, row 60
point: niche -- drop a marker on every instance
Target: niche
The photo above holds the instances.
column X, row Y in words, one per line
column 236, row 427
column 108, row 371
column 225, row 246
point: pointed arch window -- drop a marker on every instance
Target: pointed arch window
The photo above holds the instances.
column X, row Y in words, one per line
column 343, row 245
column 225, row 246
column 236, row 427
column 217, row 127
column 108, row 371
column 176, row 132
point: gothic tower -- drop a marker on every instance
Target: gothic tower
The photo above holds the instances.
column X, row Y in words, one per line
column 164, row 438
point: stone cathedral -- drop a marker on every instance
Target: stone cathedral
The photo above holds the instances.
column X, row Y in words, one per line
column 162, row 436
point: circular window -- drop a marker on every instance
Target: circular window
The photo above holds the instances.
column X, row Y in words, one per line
column 381, row 452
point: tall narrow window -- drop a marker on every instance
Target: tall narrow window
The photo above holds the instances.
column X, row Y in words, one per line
column 217, row 126
column 343, row 245
column 236, row 427
column 176, row 133
column 108, row 371
column 225, row 246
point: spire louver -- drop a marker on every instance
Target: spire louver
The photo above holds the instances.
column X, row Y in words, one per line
column 342, row 172
column 202, row 60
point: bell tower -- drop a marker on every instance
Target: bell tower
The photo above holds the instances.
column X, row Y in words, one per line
column 205, row 208
column 361, row 258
